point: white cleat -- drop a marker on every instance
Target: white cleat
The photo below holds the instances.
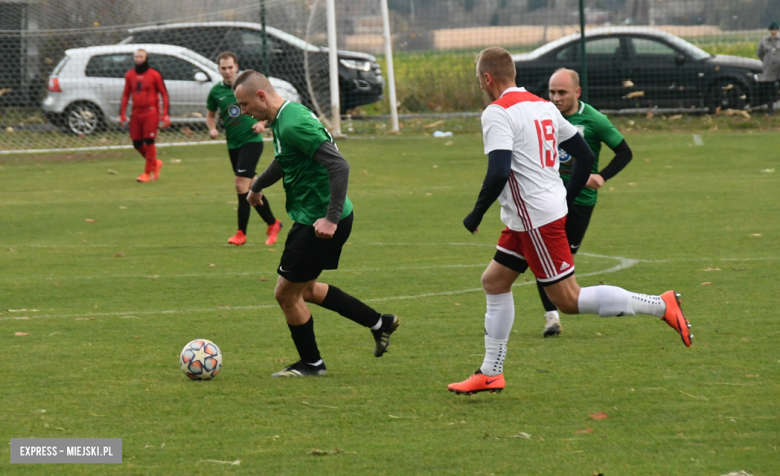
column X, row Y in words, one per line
column 553, row 326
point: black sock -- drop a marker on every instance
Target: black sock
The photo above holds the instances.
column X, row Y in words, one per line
column 548, row 305
column 303, row 337
column 265, row 212
column 244, row 209
column 352, row 308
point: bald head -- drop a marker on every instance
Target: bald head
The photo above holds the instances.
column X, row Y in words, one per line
column 256, row 95
column 564, row 89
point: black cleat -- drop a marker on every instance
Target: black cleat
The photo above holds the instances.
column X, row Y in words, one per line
column 301, row 369
column 390, row 323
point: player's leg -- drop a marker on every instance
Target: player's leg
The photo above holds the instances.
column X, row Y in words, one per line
column 152, row 162
column 244, row 208
column 612, row 301
column 248, row 158
column 508, row 263
column 137, row 136
column 289, row 295
column 577, row 222
column 334, row 299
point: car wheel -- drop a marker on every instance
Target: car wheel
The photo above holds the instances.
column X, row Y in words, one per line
column 83, row 118
column 728, row 95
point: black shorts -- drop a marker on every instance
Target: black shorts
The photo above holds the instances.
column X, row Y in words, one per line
column 577, row 223
column 245, row 159
column 306, row 256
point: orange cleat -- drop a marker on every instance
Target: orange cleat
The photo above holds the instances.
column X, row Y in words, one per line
column 273, row 232
column 144, row 177
column 238, row 239
column 157, row 169
column 675, row 318
column 478, row 382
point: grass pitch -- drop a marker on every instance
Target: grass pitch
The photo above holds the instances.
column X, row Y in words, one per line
column 109, row 303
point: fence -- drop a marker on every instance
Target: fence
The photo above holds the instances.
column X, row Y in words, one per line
column 640, row 54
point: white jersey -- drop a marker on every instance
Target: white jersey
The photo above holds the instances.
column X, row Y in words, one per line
column 531, row 128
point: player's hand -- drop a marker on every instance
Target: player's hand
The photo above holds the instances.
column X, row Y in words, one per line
column 255, row 198
column 123, row 120
column 324, row 229
column 471, row 222
column 259, row 127
column 166, row 120
column 595, row 181
column 213, row 133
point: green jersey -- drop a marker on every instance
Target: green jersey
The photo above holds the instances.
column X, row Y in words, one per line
column 297, row 136
column 238, row 127
column 595, row 128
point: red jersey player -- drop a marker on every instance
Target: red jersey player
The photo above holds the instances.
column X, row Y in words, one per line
column 144, row 84
column 522, row 134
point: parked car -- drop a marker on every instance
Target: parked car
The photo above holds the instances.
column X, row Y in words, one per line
column 360, row 78
column 640, row 67
column 85, row 89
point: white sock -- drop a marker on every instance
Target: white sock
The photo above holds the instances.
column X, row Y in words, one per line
column 499, row 318
column 611, row 301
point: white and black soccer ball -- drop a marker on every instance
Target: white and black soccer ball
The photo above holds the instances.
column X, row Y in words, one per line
column 200, row 359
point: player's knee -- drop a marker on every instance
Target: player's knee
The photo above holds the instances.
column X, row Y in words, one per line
column 492, row 285
column 567, row 305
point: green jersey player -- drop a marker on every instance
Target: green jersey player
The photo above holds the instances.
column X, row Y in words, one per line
column 315, row 177
column 595, row 128
column 245, row 145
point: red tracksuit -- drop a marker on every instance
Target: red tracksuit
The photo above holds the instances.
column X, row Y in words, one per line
column 145, row 88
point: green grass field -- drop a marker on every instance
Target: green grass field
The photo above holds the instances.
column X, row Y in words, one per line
column 109, row 304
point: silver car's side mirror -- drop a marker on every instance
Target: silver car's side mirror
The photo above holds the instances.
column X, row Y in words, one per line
column 201, row 77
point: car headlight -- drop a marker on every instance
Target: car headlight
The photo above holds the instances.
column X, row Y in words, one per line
column 358, row 65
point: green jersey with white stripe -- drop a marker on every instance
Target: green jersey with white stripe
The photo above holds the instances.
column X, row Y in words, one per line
column 595, row 128
column 238, row 127
column 297, row 136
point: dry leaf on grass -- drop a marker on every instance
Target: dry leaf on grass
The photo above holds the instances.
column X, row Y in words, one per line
column 113, row 172
column 91, row 220
column 707, row 283
column 119, row 255
column 216, row 461
column 21, row 334
column 598, row 416
column 586, row 430
column 433, row 124
column 84, row 319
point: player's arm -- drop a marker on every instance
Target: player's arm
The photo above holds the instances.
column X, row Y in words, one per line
column 211, row 122
column 498, row 171
column 581, row 166
column 272, row 174
column 338, row 177
column 163, row 91
column 125, row 100
column 608, row 134
column 498, row 139
column 623, row 156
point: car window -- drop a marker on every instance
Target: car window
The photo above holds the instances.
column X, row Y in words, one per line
column 172, row 68
column 110, row 66
column 569, row 53
column 204, row 41
column 249, row 41
column 602, row 47
column 647, row 47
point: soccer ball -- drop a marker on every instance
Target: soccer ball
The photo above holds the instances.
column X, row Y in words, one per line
column 200, row 359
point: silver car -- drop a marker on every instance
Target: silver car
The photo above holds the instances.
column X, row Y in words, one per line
column 85, row 89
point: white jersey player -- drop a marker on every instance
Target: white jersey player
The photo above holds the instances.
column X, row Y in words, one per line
column 522, row 134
